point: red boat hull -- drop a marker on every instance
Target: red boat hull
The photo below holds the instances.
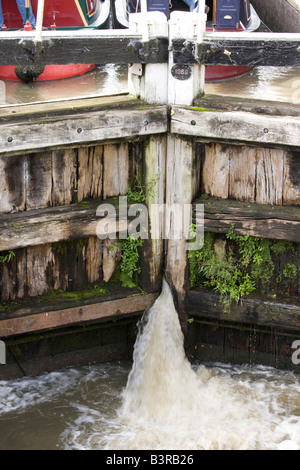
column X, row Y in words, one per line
column 224, row 72
column 51, row 72
column 62, row 13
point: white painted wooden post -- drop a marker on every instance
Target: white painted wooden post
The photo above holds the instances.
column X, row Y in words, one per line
column 149, row 82
column 189, row 26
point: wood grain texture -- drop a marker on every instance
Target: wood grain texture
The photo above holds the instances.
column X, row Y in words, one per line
column 50, row 225
column 259, row 220
column 206, row 304
column 251, row 174
column 79, row 129
column 106, row 310
column 259, row 49
column 83, row 46
column 236, row 126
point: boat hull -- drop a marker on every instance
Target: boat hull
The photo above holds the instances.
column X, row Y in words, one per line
column 50, row 72
column 215, row 73
column 61, row 14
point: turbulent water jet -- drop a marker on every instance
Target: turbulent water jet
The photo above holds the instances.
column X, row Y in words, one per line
column 157, row 382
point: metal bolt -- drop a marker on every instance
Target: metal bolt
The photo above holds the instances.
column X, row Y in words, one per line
column 79, row 130
column 266, row 130
column 193, row 123
column 10, row 139
column 145, row 122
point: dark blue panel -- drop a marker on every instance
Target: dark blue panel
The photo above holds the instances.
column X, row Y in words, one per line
column 159, row 5
column 228, row 13
column 134, row 6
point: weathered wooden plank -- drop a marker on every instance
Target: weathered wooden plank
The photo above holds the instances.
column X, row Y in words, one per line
column 64, row 107
column 260, row 220
column 259, row 49
column 215, row 175
column 90, row 172
column 13, row 183
column 81, row 47
column 206, row 304
column 39, row 180
column 247, row 105
column 236, row 126
column 93, row 255
column 291, row 174
column 116, row 170
column 64, row 176
column 80, row 129
column 270, row 174
column 242, row 173
column 37, row 261
column 102, row 47
column 106, row 310
column 179, row 191
column 14, row 278
column 51, row 225
column 88, row 47
column 154, row 167
column 254, row 174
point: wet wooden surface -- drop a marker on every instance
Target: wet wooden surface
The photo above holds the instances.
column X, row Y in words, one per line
column 108, row 310
column 259, row 220
column 203, row 303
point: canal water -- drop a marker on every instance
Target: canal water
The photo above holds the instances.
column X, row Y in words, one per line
column 269, row 83
column 160, row 402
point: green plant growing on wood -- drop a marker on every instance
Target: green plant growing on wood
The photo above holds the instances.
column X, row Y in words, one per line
column 139, row 193
column 246, row 265
column 132, row 245
column 7, row 258
column 129, row 267
column 290, row 271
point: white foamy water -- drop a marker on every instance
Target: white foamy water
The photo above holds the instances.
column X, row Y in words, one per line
column 160, row 402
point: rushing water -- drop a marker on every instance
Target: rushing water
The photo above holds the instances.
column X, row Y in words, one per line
column 160, row 402
column 269, row 83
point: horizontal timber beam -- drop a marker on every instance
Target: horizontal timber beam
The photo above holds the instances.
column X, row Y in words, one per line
column 77, row 129
column 236, row 126
column 125, row 47
column 259, row 220
column 255, row 49
column 203, row 303
column 55, row 224
column 80, row 47
column 106, row 310
column 247, row 105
